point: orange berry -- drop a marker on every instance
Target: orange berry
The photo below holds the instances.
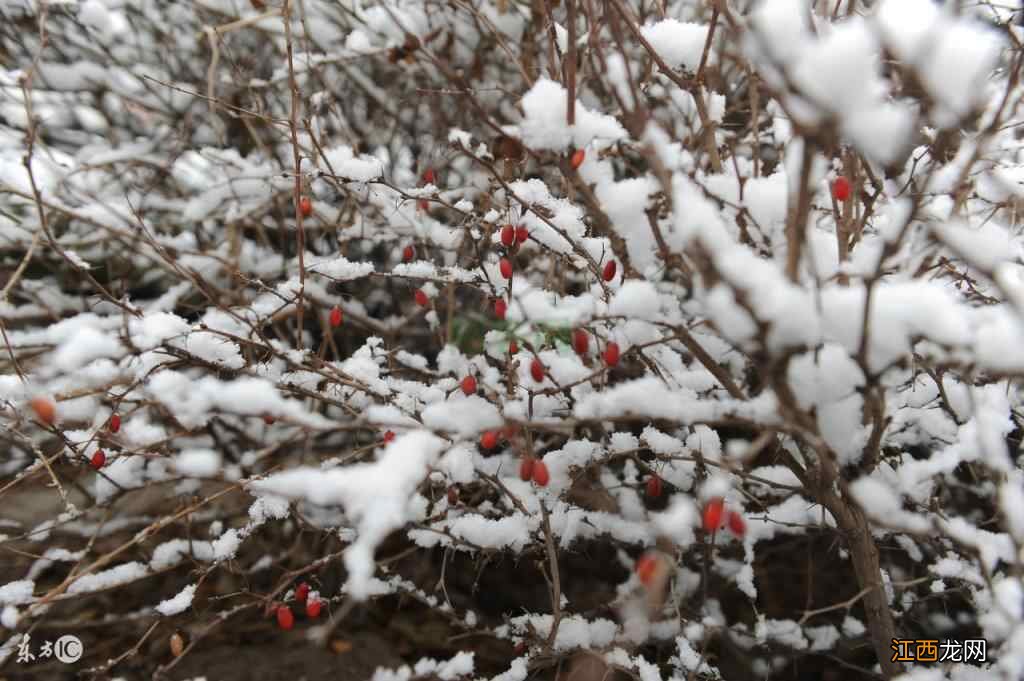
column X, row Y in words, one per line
column 45, row 409
column 647, row 567
column 577, row 158
column 580, row 341
column 841, row 189
column 305, row 206
column 285, row 618
column 526, row 469
column 540, row 473
column 713, row 515
column 537, row 370
column 508, row 236
column 737, row 524
column 654, row 486
column 611, row 354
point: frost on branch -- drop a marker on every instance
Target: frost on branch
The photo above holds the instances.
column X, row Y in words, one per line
column 511, row 340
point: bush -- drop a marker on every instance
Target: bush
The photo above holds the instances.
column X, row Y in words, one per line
column 511, row 339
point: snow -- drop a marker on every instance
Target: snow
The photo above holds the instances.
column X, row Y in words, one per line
column 109, row 578
column 18, row 592
column 197, row 463
column 680, row 44
column 637, row 300
column 544, row 125
column 179, row 603
column 377, row 496
column 462, row 664
column 462, row 415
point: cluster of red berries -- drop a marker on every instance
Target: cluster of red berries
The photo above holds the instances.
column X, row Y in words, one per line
column 715, row 512
column 514, row 236
column 284, row 614
column 534, row 469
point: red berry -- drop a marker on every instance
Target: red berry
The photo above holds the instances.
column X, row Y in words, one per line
column 408, row 253
column 506, row 268
column 429, row 176
column 115, row 423
column 500, row 308
column 44, row 408
column 389, row 436
column 522, row 234
column 423, row 204
column 611, row 354
column 537, row 370
column 268, row 419
column 737, row 524
column 489, row 440
column 508, row 236
column 285, row 618
column 654, row 487
column 609, row 270
column 577, row 158
column 540, row 473
column 513, row 348
column 98, row 459
column 301, row 592
column 647, row 567
column 305, row 206
column 453, row 495
column 313, row 608
column 841, row 189
column 713, row 515
column 469, row 385
column 580, row 341
column 421, row 298
column 526, row 469
column 336, row 316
